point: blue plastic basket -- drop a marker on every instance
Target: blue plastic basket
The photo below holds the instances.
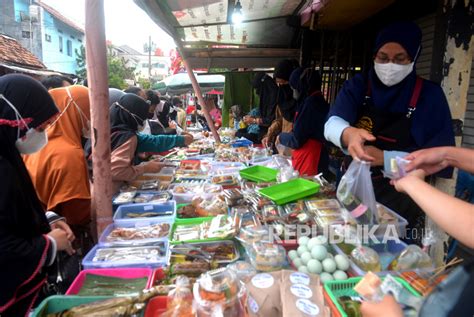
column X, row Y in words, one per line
column 88, row 262
column 166, row 212
column 139, row 223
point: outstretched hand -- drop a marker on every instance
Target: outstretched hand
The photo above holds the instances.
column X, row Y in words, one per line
column 429, row 160
column 355, row 139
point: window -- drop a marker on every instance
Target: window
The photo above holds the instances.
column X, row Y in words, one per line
column 47, row 37
column 69, row 47
column 24, row 16
column 60, row 44
column 26, row 34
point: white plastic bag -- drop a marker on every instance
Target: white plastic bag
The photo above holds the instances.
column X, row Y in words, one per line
column 356, row 192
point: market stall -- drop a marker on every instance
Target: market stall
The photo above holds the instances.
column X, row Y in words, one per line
column 232, row 228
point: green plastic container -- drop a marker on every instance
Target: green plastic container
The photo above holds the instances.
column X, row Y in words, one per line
column 290, row 191
column 336, row 289
column 58, row 303
column 259, row 173
column 192, row 221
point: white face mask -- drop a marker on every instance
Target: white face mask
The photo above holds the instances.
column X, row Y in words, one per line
column 391, row 74
column 33, row 140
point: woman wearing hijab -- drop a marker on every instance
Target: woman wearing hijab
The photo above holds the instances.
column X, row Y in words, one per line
column 27, row 243
column 309, row 156
column 267, row 91
column 59, row 170
column 127, row 117
column 389, row 110
column 286, row 105
column 148, row 142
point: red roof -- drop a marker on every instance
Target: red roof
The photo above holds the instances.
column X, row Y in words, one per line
column 12, row 53
column 59, row 16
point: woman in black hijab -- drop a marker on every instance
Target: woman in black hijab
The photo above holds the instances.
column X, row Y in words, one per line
column 267, row 90
column 127, row 117
column 27, row 243
column 286, row 105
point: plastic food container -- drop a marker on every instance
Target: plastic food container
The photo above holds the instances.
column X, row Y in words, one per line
column 219, row 290
column 400, row 225
column 130, row 273
column 290, row 191
column 210, row 244
column 386, row 251
column 128, row 239
column 259, row 173
column 191, row 222
column 266, row 256
column 249, row 235
column 244, row 270
column 145, row 212
column 112, row 257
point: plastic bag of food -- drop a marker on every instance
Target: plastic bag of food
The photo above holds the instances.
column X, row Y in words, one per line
column 356, row 192
column 366, row 258
column 413, row 257
column 208, row 205
column 180, row 299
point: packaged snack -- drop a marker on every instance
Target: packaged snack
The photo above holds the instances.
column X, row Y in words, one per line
column 369, row 287
column 225, row 180
column 315, row 204
column 244, row 270
column 249, row 235
column 219, row 292
column 366, row 258
column 180, row 299
column 209, row 205
column 125, row 197
column 301, row 295
column 266, row 256
column 270, row 213
column 295, row 207
column 264, row 295
column 233, row 196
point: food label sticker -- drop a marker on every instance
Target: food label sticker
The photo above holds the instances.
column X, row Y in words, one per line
column 263, row 280
column 299, row 278
column 307, row 307
column 252, row 304
column 148, row 207
column 300, row 290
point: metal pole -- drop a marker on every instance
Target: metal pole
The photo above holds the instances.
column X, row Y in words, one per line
column 197, row 92
column 96, row 56
column 149, row 57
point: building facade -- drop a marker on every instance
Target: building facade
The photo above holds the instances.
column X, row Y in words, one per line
column 44, row 31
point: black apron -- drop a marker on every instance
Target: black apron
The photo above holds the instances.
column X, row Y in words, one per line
column 392, row 132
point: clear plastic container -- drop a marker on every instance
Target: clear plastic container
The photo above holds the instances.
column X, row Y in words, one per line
column 249, row 235
column 219, row 293
column 135, row 233
column 266, row 256
column 110, row 257
column 244, row 270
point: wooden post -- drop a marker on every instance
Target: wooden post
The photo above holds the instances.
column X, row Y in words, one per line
column 96, row 56
column 197, row 92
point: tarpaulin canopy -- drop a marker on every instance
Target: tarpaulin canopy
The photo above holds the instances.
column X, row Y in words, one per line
column 206, row 35
column 180, row 83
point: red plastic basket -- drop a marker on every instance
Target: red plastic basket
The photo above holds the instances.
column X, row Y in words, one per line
column 156, row 306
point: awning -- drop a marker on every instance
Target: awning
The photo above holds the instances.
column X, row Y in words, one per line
column 203, row 30
column 39, row 72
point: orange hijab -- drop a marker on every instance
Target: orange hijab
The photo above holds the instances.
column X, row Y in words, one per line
column 59, row 170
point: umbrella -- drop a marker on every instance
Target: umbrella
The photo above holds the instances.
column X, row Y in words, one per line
column 180, row 83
